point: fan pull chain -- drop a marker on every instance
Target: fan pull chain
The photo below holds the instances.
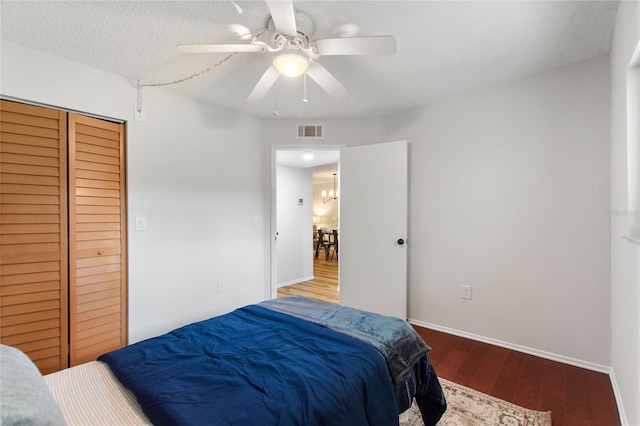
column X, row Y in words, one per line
column 304, row 99
column 275, row 108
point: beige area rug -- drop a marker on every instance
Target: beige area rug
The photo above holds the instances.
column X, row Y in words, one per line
column 467, row 407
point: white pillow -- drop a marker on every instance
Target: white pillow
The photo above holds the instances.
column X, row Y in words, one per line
column 24, row 396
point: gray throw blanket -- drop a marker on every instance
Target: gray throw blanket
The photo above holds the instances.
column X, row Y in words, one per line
column 398, row 342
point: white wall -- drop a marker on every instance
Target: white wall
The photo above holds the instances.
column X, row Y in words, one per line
column 295, row 226
column 183, row 176
column 510, row 187
column 509, row 194
column 335, row 133
column 625, row 255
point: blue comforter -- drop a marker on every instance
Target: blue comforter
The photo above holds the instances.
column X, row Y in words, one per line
column 256, row 366
column 396, row 340
column 403, row 349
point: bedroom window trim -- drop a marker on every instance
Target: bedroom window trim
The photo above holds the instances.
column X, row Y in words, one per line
column 633, row 148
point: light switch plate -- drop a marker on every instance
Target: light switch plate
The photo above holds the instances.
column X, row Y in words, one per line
column 141, row 223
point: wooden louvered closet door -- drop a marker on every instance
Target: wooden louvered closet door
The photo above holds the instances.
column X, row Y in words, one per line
column 62, row 235
column 33, row 233
column 97, row 255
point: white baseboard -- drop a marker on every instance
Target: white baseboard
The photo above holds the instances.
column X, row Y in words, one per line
column 513, row 346
column 618, row 396
column 309, row 278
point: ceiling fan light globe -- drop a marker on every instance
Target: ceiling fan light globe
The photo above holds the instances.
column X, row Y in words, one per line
column 291, row 65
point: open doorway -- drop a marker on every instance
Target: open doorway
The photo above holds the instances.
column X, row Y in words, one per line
column 305, row 250
column 373, row 280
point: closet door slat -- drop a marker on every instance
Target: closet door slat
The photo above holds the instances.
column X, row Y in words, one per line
column 33, row 234
column 97, row 238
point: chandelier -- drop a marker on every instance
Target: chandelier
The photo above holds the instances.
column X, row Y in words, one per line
column 333, row 193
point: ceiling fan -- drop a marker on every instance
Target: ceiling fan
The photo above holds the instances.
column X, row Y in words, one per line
column 291, row 33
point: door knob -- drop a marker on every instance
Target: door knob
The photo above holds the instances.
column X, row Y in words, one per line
column 400, row 241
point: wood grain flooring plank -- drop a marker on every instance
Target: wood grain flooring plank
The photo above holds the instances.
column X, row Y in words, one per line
column 509, row 376
column 529, row 387
column 578, row 396
column 554, row 390
column 485, row 378
column 603, row 403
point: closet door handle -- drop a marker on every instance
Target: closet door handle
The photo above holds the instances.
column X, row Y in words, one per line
column 100, row 253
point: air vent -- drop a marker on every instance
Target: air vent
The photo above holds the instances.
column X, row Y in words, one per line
column 313, row 131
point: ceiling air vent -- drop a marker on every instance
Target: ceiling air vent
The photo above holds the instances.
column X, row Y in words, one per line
column 313, row 131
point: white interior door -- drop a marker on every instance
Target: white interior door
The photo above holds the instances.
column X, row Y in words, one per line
column 373, row 227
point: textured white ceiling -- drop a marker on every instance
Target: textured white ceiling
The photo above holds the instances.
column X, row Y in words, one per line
column 444, row 48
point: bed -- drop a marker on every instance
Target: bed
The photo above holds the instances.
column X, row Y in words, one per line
column 288, row 361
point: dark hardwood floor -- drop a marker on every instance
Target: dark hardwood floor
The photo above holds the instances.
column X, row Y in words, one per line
column 575, row 396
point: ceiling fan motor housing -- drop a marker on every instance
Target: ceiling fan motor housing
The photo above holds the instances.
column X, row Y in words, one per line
column 305, row 28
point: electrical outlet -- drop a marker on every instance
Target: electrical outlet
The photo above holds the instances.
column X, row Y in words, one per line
column 222, row 286
column 465, row 291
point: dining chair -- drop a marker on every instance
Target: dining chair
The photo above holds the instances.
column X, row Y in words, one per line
column 325, row 242
column 335, row 244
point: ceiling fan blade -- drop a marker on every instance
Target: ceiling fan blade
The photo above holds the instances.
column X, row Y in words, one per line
column 374, row 45
column 264, row 84
column 219, row 48
column 327, row 81
column 283, row 16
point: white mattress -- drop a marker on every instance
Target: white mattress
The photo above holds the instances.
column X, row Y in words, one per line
column 89, row 394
